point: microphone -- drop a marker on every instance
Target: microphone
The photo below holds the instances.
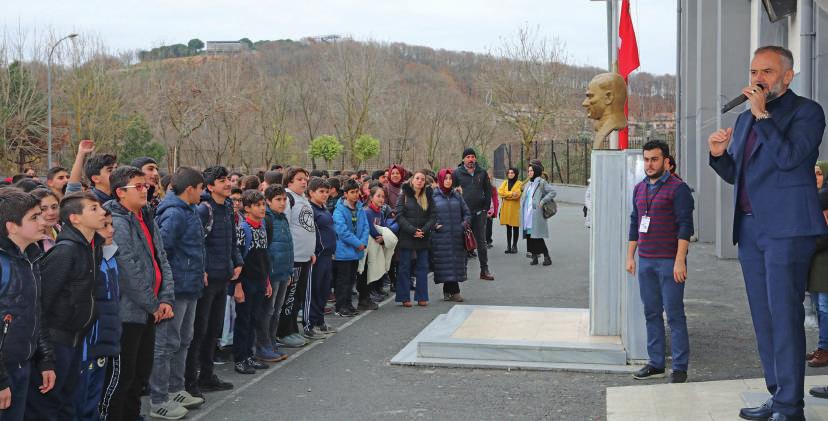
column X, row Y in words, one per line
column 738, row 100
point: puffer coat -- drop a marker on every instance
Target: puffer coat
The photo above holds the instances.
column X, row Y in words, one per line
column 411, row 217
column 448, row 252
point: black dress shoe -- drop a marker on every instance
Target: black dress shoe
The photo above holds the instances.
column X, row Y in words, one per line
column 782, row 417
column 758, row 413
column 819, row 392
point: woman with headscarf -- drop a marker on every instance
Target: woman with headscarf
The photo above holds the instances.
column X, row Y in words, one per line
column 532, row 223
column 510, row 193
column 448, row 251
column 396, row 177
column 818, row 278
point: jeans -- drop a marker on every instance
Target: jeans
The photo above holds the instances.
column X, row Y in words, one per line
column 279, row 291
column 90, row 390
column 478, row 225
column 660, row 293
column 137, row 347
column 420, row 271
column 209, row 317
column 172, row 340
column 248, row 313
column 58, row 403
column 822, row 318
column 19, row 375
column 345, row 278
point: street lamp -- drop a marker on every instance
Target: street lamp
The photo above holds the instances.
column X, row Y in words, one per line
column 49, row 97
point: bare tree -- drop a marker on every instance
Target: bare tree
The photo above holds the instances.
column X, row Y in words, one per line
column 524, row 83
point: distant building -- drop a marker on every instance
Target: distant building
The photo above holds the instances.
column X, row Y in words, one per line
column 224, row 47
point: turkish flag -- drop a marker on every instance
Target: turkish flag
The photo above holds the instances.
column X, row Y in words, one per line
column 627, row 59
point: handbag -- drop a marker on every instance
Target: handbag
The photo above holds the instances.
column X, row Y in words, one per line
column 549, row 208
column 468, row 239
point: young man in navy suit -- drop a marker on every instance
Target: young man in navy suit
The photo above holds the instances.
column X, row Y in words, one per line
column 769, row 157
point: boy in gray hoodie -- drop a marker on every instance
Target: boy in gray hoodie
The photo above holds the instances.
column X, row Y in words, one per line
column 303, row 230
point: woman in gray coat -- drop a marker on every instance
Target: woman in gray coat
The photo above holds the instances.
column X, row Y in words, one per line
column 533, row 225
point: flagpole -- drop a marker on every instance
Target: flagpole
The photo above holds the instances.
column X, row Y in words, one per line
column 612, row 29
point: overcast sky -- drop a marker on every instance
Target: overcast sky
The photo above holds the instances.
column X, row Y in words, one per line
column 469, row 25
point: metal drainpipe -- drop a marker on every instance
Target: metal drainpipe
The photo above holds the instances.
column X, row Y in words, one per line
column 806, row 50
column 678, row 83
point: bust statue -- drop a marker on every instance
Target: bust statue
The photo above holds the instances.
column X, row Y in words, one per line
column 604, row 103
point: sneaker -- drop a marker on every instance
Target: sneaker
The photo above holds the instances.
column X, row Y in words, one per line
column 328, row 310
column 325, row 329
column 255, row 364
column 345, row 312
column 265, row 353
column 168, row 410
column 282, row 355
column 648, row 372
column 377, row 297
column 457, row 298
column 678, row 376
column 293, row 341
column 221, row 357
column 187, row 400
column 214, row 384
column 243, row 368
column 312, row 334
column 367, row 305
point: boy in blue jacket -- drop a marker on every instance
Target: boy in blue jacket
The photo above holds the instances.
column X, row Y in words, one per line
column 25, row 341
column 318, row 190
column 183, row 237
column 103, row 342
column 280, row 251
column 351, row 240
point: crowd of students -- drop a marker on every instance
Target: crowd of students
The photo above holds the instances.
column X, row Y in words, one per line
column 118, row 281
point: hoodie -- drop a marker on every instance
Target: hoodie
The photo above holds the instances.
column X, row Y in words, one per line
column 302, row 227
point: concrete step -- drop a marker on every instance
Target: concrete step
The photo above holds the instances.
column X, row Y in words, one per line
column 543, row 352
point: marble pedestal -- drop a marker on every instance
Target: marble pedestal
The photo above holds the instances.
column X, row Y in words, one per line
column 614, row 302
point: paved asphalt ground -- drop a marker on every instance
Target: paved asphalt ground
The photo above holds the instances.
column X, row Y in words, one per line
column 348, row 377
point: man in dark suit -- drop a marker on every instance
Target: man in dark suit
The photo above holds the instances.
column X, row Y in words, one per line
column 769, row 157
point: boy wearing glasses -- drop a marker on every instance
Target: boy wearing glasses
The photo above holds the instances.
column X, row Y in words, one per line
column 146, row 283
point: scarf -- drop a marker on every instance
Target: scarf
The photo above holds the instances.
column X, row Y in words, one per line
column 511, row 181
column 253, row 224
column 537, row 170
column 402, row 174
column 373, row 207
column 441, row 178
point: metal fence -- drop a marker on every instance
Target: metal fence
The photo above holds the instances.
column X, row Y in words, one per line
column 564, row 161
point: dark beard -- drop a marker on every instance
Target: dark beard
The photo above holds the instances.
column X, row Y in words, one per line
column 657, row 175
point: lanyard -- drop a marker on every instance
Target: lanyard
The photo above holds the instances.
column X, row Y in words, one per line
column 647, row 197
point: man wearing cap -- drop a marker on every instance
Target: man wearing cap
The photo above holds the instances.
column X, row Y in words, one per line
column 150, row 169
column 477, row 192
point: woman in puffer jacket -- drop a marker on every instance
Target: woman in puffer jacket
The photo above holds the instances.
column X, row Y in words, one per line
column 448, row 251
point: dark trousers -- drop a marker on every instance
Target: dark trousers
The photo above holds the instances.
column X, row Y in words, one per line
column 660, row 294
column 58, row 403
column 345, row 278
column 451, row 287
column 247, row 317
column 19, row 376
column 209, row 319
column 90, row 390
column 320, row 289
column 512, row 236
column 536, row 246
column 478, row 225
column 295, row 300
column 776, row 274
column 137, row 348
column 489, row 230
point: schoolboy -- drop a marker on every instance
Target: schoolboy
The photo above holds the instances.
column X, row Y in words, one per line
column 321, row 279
column 351, row 241
column 21, row 226
column 70, row 273
column 253, row 286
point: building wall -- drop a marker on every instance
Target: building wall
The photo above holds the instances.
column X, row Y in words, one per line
column 717, row 38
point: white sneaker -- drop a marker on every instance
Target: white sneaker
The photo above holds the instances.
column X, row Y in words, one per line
column 168, row 410
column 187, row 400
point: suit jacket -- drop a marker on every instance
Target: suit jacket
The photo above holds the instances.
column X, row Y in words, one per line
column 780, row 170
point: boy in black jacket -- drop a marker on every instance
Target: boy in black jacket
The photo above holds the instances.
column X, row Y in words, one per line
column 23, row 338
column 70, row 271
column 253, row 286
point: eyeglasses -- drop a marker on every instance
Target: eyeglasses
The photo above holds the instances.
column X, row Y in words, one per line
column 139, row 187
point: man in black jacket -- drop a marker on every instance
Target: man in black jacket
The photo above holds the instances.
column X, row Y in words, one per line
column 25, row 341
column 477, row 192
column 225, row 264
column 69, row 300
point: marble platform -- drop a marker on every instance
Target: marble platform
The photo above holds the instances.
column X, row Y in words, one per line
column 716, row 400
column 532, row 338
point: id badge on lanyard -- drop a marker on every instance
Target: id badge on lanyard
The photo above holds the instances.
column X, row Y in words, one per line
column 644, row 225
